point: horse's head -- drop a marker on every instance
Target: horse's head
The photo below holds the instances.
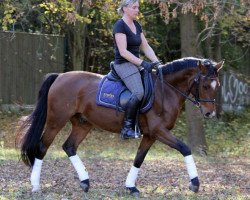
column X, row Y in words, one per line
column 205, row 85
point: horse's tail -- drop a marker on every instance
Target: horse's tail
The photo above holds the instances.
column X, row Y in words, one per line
column 34, row 124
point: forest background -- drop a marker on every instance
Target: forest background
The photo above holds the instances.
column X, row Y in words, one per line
column 201, row 28
column 222, row 28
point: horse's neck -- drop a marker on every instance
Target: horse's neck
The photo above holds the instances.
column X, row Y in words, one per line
column 172, row 85
column 180, row 80
column 177, row 84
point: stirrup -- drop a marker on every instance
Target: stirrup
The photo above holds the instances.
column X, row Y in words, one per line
column 125, row 135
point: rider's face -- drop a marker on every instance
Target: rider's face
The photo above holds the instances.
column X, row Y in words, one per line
column 132, row 10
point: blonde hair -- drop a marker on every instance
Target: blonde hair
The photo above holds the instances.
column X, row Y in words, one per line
column 125, row 3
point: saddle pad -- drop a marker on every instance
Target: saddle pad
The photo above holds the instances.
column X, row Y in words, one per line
column 109, row 94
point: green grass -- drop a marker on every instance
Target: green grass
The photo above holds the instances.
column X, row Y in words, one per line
column 227, row 136
column 230, row 135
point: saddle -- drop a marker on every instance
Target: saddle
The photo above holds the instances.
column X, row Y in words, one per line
column 113, row 93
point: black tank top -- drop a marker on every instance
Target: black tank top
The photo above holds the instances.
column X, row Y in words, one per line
column 133, row 40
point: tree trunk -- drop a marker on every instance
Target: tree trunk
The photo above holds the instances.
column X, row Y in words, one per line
column 248, row 63
column 217, row 57
column 208, row 48
column 196, row 136
column 79, row 46
column 75, row 37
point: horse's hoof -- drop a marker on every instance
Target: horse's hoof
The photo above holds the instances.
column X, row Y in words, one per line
column 194, row 185
column 85, row 185
column 36, row 188
column 193, row 188
column 133, row 191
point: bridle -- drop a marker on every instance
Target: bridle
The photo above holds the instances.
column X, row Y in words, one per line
column 196, row 100
column 196, row 83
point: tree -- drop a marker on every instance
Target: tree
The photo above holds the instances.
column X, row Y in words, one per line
column 51, row 17
column 210, row 14
column 228, row 18
column 196, row 136
column 99, row 41
column 76, row 35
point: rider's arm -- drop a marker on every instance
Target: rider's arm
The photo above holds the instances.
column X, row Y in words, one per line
column 121, row 42
column 148, row 51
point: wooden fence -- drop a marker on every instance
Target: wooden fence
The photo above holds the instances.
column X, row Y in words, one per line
column 24, row 60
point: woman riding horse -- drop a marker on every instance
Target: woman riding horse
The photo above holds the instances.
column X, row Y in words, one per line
column 71, row 97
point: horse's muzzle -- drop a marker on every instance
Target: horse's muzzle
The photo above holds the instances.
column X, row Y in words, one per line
column 210, row 114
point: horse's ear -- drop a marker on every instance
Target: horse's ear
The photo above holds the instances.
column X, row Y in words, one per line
column 219, row 65
column 202, row 67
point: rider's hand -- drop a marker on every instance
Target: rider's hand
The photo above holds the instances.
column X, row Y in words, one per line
column 157, row 64
column 147, row 65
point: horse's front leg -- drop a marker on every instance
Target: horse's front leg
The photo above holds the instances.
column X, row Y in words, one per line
column 166, row 137
column 145, row 145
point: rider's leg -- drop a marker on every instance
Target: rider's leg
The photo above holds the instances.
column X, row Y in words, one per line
column 130, row 118
column 131, row 77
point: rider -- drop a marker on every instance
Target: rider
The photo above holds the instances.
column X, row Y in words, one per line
column 128, row 40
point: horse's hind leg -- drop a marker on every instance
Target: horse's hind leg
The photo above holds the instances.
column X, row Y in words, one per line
column 145, row 145
column 166, row 137
column 48, row 136
column 80, row 129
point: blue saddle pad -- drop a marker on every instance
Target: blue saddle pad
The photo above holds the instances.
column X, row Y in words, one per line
column 113, row 94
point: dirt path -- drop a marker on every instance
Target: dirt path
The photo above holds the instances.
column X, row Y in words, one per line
column 163, row 175
column 158, row 179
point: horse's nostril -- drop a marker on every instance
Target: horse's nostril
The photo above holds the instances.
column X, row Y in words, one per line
column 207, row 114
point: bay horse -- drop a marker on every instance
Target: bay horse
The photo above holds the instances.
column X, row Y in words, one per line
column 71, row 97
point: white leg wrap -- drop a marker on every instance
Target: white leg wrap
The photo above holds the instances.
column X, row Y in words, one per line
column 79, row 167
column 191, row 168
column 132, row 176
column 35, row 175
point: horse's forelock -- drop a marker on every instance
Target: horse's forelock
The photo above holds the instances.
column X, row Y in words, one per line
column 210, row 65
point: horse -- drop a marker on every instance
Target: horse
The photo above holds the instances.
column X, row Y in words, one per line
column 71, row 97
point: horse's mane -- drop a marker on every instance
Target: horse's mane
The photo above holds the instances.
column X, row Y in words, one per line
column 180, row 64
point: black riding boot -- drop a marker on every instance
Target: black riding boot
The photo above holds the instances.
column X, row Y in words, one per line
column 127, row 131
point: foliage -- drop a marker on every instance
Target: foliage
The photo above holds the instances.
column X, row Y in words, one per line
column 99, row 42
column 237, row 27
column 7, row 10
column 230, row 135
column 39, row 16
column 235, row 35
column 228, row 18
column 61, row 12
column 163, row 38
